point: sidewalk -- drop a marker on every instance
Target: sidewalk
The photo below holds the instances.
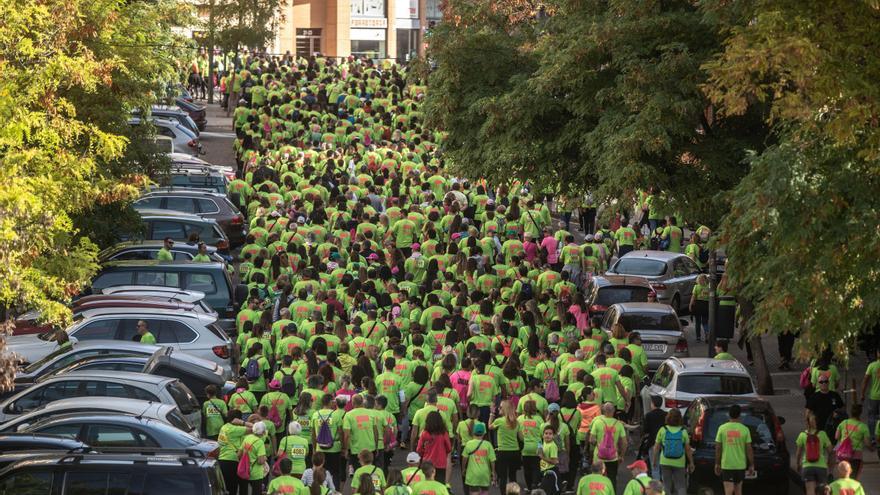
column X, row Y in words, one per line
column 788, row 401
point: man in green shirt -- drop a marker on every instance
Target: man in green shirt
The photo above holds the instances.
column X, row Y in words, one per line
column 639, row 484
column 721, row 351
column 871, row 394
column 604, row 425
column 428, row 486
column 734, row 456
column 389, row 385
column 482, row 391
column 164, row 254
column 213, row 410
column 673, row 235
column 595, row 483
column 360, row 431
column 843, row 484
column 478, row 461
column 202, row 257
column 625, row 237
column 286, row 484
column 144, row 332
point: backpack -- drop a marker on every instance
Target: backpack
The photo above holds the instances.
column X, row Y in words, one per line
column 805, row 380
column 814, row 447
column 244, row 466
column 505, row 346
column 673, row 443
column 325, row 435
column 288, row 385
column 608, row 447
column 252, row 371
column 526, row 292
column 551, row 391
column 274, row 416
column 844, row 451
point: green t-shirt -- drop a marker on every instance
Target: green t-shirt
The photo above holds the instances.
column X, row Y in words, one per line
column 597, row 433
column 148, row 338
column 388, row 384
column 679, row 462
column 287, row 485
column 164, row 255
column 214, row 410
column 479, row 454
column 229, row 439
column 260, row 384
column 847, row 486
column 551, row 451
column 508, row 440
column 531, row 429
column 824, row 445
column 595, row 484
column 484, row 389
column 725, row 356
column 733, row 438
column 429, row 487
column 375, row 473
column 334, row 422
column 296, row 448
column 637, row 485
column 873, row 374
column 360, row 423
column 255, row 447
column 464, row 430
column 855, row 430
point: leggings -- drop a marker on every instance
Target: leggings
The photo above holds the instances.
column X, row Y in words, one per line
column 230, row 476
column 506, row 466
column 531, row 471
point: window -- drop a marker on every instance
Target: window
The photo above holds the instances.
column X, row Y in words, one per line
column 140, row 254
column 111, row 279
column 95, row 388
column 118, row 436
column 650, row 321
column 368, row 8
column 154, row 202
column 202, row 282
column 621, row 294
column 164, row 131
column 161, row 279
column 59, row 390
column 164, row 228
column 181, row 256
column 690, row 266
column 95, row 483
column 193, row 228
column 185, row 400
column 759, row 424
column 639, row 266
column 102, row 329
column 679, row 269
column 174, row 483
column 29, row 482
column 67, row 430
column 702, row 384
column 173, row 332
column 207, row 206
column 186, row 205
column 140, row 394
column 128, row 329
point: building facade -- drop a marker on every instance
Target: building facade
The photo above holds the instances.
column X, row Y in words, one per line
column 339, row 28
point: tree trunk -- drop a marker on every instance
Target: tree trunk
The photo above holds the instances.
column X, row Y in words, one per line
column 764, row 379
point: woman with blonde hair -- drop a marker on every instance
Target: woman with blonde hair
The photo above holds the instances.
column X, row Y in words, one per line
column 508, row 451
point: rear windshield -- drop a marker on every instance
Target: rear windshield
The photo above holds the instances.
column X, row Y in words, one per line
column 219, row 332
column 649, row 322
column 760, row 426
column 715, row 384
column 178, row 420
column 184, row 399
column 640, row 266
column 621, row 294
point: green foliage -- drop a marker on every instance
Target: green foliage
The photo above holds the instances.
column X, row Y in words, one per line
column 243, row 23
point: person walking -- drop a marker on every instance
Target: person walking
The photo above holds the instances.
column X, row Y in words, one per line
column 597, row 482
column 548, row 452
column 823, row 402
column 531, row 426
column 651, row 425
column 871, row 395
column 850, row 439
column 673, row 448
column 843, row 484
column 734, row 456
column 254, row 447
column 229, row 441
column 435, row 446
column 478, row 462
column 508, row 451
column 608, row 439
column 639, row 484
column 813, row 452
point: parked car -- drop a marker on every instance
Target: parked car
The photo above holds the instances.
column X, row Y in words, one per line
column 150, row 473
column 18, row 446
column 680, row 381
column 772, row 459
column 173, row 113
column 166, row 413
column 212, row 279
column 196, row 177
column 160, row 224
column 182, row 160
column 196, row 112
column 104, row 384
column 201, row 202
column 658, row 324
column 59, row 358
column 148, row 250
column 194, row 333
column 185, row 140
column 603, row 291
column 671, row 275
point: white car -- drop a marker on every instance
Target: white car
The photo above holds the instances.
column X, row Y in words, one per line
column 183, row 139
column 167, row 413
column 100, row 384
column 191, row 332
column 679, row 381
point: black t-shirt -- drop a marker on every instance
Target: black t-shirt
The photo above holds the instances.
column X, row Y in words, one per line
column 654, row 420
column 823, row 405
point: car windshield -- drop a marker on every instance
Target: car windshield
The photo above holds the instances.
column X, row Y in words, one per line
column 650, row 321
column 184, row 399
column 177, row 420
column 621, row 294
column 760, row 426
column 36, row 365
column 714, row 384
column 640, row 266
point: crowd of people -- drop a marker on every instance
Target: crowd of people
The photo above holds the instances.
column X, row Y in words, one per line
column 393, row 307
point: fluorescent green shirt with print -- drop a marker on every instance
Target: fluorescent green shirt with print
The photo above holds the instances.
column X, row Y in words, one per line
column 214, row 410
column 229, row 440
column 287, row 485
column 661, row 439
column 375, row 473
column 597, row 433
column 479, row 454
column 483, row 389
column 531, row 428
column 824, row 445
column 551, row 451
column 847, row 486
column 855, row 430
column 296, row 448
column 360, row 424
column 873, row 374
column 734, row 437
column 508, row 440
column 255, row 448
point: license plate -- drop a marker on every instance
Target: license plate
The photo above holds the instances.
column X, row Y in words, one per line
column 660, row 348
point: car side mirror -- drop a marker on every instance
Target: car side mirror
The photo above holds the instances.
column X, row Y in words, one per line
column 781, row 419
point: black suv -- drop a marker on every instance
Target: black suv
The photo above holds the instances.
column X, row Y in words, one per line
column 17, row 446
column 105, row 474
column 703, row 418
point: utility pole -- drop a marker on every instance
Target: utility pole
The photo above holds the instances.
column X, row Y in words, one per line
column 713, row 285
column 211, row 51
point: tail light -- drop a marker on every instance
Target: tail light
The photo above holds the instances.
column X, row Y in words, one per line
column 676, row 403
column 698, row 430
column 596, row 308
column 777, row 431
column 237, row 220
column 221, row 351
column 192, row 143
column 214, row 453
column 652, row 294
column 657, row 286
column 681, row 346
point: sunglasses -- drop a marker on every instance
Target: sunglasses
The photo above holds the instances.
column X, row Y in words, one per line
column 823, row 382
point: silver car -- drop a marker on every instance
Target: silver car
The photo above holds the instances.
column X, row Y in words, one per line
column 671, row 275
column 657, row 323
column 680, row 381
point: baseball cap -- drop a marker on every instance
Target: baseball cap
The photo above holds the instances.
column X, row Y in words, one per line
column 640, row 464
column 553, row 407
column 479, row 429
column 300, row 219
column 413, row 458
column 415, row 246
column 274, row 385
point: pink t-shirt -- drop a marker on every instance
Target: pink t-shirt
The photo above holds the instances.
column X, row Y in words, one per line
column 581, row 318
column 461, row 379
column 550, row 244
column 531, row 250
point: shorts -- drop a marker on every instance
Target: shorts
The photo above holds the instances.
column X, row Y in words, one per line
column 733, row 475
column 815, row 473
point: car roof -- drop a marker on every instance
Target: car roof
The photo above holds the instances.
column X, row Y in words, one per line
column 747, row 402
column 113, row 375
column 130, row 302
column 182, row 191
column 119, row 404
column 152, row 244
column 154, row 263
column 700, row 365
column 615, row 280
column 150, row 457
column 151, row 312
column 117, row 345
column 177, row 215
column 644, row 307
column 172, row 293
column 653, row 255
column 38, row 438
